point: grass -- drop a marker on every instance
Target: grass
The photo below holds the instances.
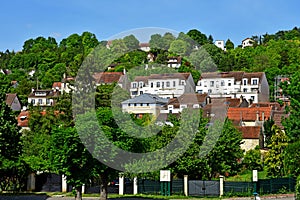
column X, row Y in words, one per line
column 246, row 176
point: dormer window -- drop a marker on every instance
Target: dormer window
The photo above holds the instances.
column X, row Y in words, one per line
column 254, row 81
column 245, row 81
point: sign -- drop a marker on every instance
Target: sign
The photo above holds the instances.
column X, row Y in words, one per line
column 165, row 175
column 255, row 177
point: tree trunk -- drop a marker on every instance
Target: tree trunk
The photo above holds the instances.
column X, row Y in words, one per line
column 103, row 187
column 78, row 193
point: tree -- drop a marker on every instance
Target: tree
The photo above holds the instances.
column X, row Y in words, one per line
column 197, row 36
column 229, row 45
column 274, row 160
column 131, row 42
column 12, row 168
column 71, row 158
column 252, row 159
column 292, row 159
column 179, row 47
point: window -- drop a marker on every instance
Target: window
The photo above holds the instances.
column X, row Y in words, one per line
column 151, row 84
column 222, row 83
column 254, row 81
column 252, row 98
column 135, row 104
column 157, row 84
column 245, row 82
column 211, row 84
column 174, row 83
column 209, row 91
column 40, row 101
column 134, row 93
column 245, row 90
column 133, row 85
column 163, row 84
column 229, row 84
column 168, row 84
column 200, row 91
column 47, row 101
column 141, row 92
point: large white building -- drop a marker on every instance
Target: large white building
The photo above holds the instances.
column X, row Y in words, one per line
column 163, row 85
column 253, row 87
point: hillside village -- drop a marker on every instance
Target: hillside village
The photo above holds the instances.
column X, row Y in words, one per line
column 259, row 98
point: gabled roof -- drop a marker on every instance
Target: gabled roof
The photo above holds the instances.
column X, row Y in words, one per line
column 145, row 44
column 183, row 76
column 147, row 98
column 10, row 99
column 56, row 85
column 249, row 114
column 188, row 98
column 250, row 132
column 23, row 118
column 107, row 77
column 238, row 75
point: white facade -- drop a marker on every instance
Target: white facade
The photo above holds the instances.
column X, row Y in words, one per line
column 174, row 62
column 248, row 42
column 163, row 85
column 144, row 104
column 252, row 86
column 220, row 44
column 42, row 97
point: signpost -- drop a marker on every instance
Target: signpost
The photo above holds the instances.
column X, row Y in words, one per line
column 255, row 179
column 165, row 179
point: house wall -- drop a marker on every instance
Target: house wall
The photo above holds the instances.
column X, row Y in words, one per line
column 264, row 94
column 142, row 108
column 16, row 105
column 249, row 144
column 40, row 101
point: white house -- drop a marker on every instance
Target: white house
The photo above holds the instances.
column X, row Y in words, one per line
column 187, row 100
column 220, row 44
column 253, row 87
column 174, row 62
column 43, row 98
column 163, row 85
column 144, row 104
column 248, row 42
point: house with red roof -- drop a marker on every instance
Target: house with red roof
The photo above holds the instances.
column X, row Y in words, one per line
column 120, row 78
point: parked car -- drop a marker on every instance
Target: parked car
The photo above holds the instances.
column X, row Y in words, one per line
column 115, row 182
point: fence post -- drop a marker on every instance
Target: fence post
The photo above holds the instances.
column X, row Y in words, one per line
column 135, row 185
column 31, row 182
column 186, row 185
column 221, row 185
column 121, row 185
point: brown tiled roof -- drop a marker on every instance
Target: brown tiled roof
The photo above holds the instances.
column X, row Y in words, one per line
column 184, row 76
column 237, row 75
column 274, row 105
column 249, row 114
column 144, row 44
column 56, row 85
column 107, row 77
column 10, row 98
column 250, row 132
column 141, row 78
column 23, row 118
column 188, row 98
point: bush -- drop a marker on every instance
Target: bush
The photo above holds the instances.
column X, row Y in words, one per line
column 297, row 189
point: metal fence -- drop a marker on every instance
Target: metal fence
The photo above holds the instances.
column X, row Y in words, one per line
column 264, row 186
column 146, row 186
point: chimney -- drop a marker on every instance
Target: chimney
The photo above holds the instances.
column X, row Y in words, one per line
column 241, row 98
column 263, row 116
column 257, row 116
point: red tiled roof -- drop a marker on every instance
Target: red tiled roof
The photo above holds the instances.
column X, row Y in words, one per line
column 23, row 118
column 184, row 76
column 274, row 105
column 56, row 85
column 250, row 132
column 188, row 98
column 10, row 98
column 249, row 114
column 144, row 44
column 238, row 75
column 107, row 77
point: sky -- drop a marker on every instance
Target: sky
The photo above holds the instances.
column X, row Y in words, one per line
column 232, row 19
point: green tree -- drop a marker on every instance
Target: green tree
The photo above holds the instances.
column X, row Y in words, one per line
column 275, row 157
column 252, row 160
column 131, row 42
column 229, row 44
column 197, row 36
